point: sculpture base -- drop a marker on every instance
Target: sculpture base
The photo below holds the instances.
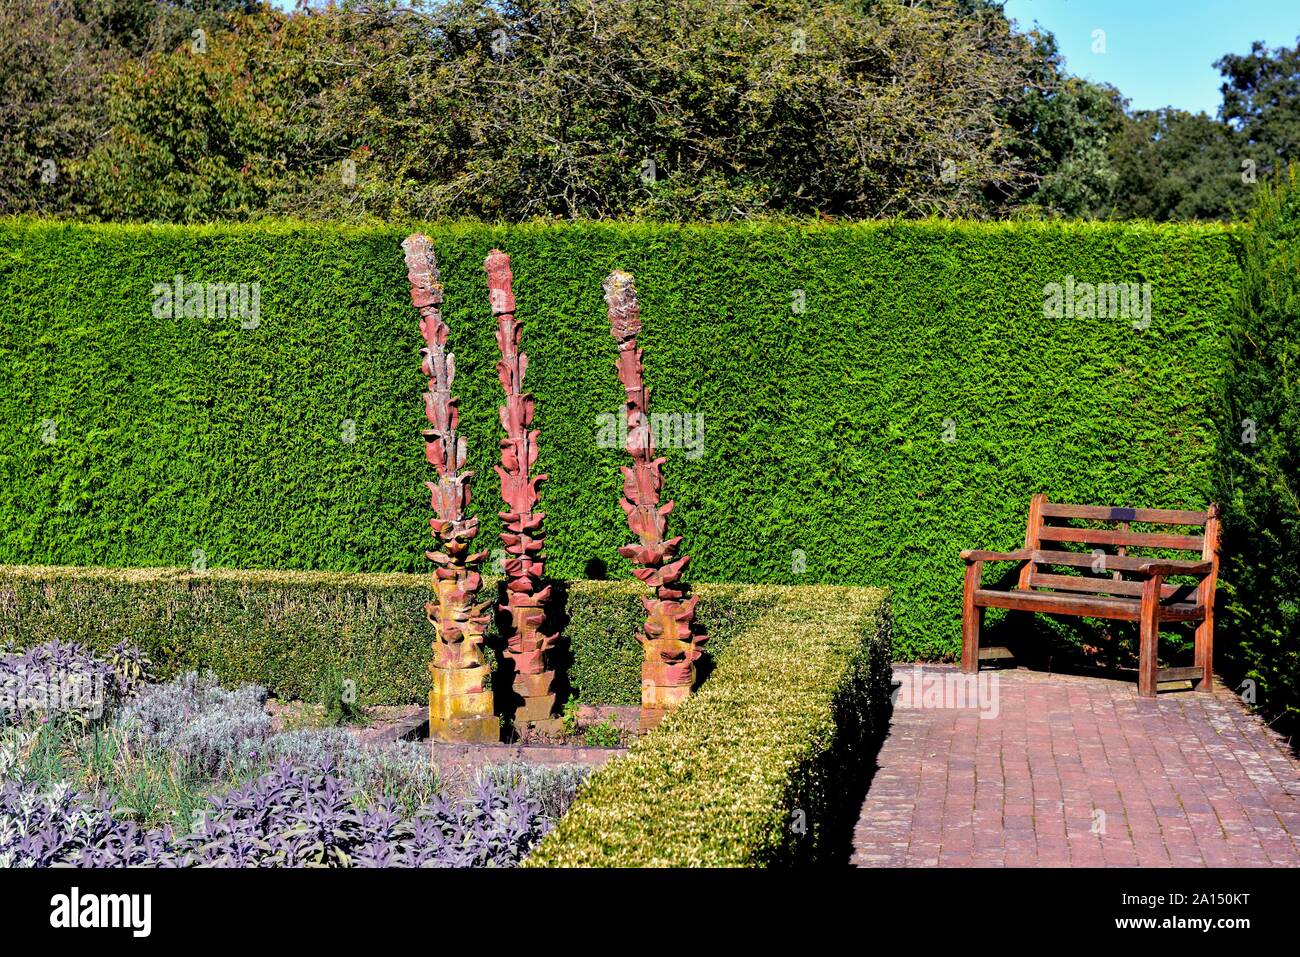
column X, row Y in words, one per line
column 539, row 708
column 461, row 728
column 663, row 697
column 543, row 727
column 650, row 718
column 466, row 730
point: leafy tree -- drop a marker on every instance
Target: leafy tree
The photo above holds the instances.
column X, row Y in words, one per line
column 1175, row 165
column 678, row 109
column 57, row 61
column 1074, row 124
column 52, row 66
column 1261, row 99
column 213, row 128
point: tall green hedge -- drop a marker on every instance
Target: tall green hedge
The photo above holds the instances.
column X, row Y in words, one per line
column 1259, row 628
column 875, row 397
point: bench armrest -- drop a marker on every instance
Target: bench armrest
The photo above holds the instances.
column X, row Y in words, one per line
column 976, row 555
column 1164, row 568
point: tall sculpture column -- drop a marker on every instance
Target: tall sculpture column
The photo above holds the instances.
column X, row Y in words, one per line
column 524, row 538
column 671, row 639
column 460, row 704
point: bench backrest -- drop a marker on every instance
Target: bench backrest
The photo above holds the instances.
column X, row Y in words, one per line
column 1099, row 542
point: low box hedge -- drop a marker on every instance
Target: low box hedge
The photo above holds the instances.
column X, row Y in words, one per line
column 291, row 630
column 754, row 769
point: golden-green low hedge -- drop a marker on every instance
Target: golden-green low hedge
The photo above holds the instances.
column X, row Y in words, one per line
column 290, row 630
column 756, row 767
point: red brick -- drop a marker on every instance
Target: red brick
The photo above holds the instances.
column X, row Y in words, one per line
column 1186, row 779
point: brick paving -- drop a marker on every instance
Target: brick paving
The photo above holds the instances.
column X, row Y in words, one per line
column 1078, row 771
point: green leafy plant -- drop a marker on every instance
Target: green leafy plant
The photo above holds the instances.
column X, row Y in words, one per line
column 829, row 120
column 338, row 700
column 569, row 715
column 149, row 784
column 1259, row 468
column 605, row 734
column 130, row 664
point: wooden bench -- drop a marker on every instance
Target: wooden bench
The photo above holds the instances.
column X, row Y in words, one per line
column 1109, row 580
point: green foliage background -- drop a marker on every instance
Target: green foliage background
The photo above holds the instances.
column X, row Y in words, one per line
column 1260, row 479
column 824, row 429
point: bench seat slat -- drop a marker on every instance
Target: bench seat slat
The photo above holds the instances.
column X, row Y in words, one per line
column 1093, row 606
column 1107, row 513
column 1108, row 536
column 1114, row 563
column 1109, row 586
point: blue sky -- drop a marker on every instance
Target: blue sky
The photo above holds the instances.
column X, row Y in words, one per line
column 1160, row 52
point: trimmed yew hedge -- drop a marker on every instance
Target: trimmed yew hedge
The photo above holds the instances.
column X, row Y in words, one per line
column 289, row 631
column 875, row 397
column 755, row 767
column 1259, row 479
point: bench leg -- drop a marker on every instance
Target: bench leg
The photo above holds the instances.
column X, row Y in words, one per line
column 971, row 617
column 1205, row 651
column 1149, row 635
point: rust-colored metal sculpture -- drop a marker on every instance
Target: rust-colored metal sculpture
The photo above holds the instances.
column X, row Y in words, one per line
column 524, row 538
column 460, row 704
column 671, row 639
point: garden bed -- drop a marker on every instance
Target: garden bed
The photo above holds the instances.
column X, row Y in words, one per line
column 102, row 766
column 752, row 769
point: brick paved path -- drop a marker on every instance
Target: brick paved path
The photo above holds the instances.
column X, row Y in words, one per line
column 1187, row 779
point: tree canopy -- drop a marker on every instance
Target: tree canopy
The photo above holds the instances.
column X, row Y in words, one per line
column 193, row 110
